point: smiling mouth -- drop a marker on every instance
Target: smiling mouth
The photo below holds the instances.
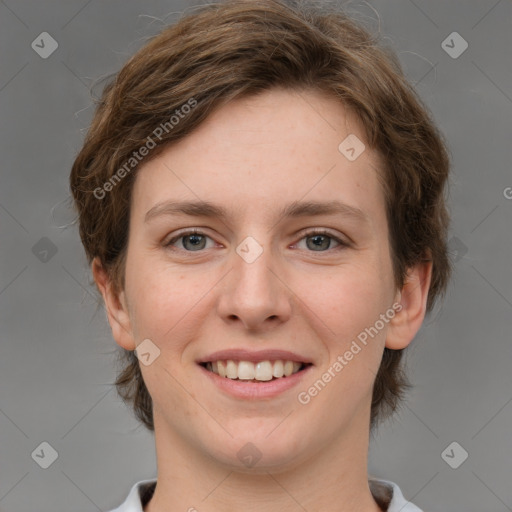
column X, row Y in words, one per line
column 262, row 371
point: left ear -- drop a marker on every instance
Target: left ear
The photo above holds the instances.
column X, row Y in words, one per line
column 413, row 298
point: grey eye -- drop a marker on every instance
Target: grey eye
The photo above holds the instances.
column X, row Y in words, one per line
column 196, row 242
column 319, row 242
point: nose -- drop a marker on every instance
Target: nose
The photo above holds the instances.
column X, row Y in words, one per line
column 255, row 293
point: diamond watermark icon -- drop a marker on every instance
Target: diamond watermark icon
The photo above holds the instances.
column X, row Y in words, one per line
column 457, row 248
column 454, row 455
column 351, row 147
column 44, row 250
column 249, row 455
column 45, row 455
column 249, row 250
column 454, row 45
column 147, row 352
column 44, row 45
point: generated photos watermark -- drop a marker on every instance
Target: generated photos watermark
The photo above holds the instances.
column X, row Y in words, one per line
column 304, row 397
column 145, row 149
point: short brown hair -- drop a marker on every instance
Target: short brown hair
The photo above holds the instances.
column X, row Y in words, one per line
column 235, row 49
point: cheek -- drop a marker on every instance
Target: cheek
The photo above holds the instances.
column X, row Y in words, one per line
column 348, row 299
column 165, row 301
column 167, row 307
column 350, row 303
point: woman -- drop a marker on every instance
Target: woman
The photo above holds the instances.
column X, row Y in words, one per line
column 260, row 197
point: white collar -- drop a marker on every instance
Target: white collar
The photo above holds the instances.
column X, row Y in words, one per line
column 133, row 502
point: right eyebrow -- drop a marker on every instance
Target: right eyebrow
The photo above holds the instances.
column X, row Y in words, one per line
column 192, row 208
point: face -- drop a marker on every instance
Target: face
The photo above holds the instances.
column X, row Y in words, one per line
column 272, row 273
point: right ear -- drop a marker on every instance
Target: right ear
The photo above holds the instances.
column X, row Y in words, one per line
column 115, row 304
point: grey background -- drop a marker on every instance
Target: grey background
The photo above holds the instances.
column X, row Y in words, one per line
column 57, row 354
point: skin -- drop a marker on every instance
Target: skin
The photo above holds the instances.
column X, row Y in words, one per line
column 252, row 157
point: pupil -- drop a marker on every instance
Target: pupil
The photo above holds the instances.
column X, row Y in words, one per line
column 318, row 238
column 195, row 240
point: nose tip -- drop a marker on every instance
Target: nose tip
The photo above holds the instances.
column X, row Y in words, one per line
column 253, row 294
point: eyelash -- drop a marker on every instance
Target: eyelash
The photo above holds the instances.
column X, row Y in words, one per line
column 310, row 233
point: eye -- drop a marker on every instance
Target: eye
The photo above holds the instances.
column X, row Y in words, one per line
column 320, row 240
column 191, row 241
column 317, row 240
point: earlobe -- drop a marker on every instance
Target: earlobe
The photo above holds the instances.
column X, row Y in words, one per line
column 116, row 307
column 413, row 299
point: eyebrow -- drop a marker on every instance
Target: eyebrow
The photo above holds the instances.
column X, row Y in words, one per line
column 294, row 209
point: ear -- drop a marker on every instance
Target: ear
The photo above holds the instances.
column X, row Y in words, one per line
column 413, row 298
column 115, row 304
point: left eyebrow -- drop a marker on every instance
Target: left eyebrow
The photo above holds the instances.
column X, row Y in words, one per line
column 312, row 208
column 294, row 209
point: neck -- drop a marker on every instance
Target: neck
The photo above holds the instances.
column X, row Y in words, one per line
column 334, row 479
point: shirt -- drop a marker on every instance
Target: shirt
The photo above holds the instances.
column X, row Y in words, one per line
column 384, row 491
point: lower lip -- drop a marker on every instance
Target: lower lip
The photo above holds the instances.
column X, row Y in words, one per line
column 256, row 390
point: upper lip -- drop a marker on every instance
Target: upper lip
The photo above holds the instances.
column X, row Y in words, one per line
column 254, row 356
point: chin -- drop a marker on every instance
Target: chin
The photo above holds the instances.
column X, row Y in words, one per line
column 254, row 451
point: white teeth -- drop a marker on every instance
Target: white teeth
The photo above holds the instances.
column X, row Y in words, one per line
column 231, row 370
column 278, row 370
column 221, row 367
column 263, row 370
column 247, row 370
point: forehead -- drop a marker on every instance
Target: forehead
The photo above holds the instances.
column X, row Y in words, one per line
column 255, row 154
